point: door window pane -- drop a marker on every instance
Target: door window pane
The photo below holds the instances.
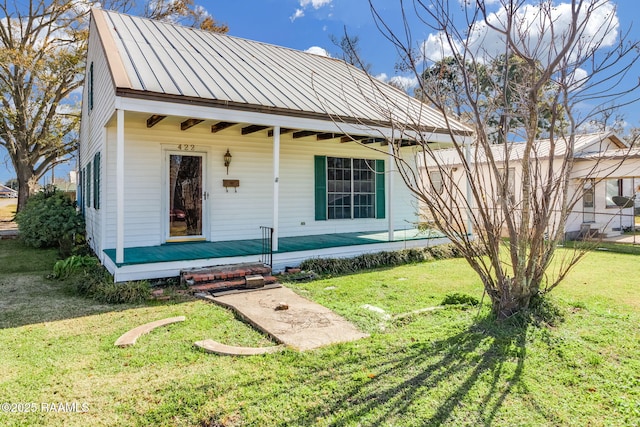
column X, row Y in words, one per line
column 185, row 195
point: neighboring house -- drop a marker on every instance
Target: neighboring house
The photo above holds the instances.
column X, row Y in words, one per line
column 192, row 141
column 7, row 192
column 604, row 167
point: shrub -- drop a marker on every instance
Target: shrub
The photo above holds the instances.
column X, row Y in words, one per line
column 379, row 259
column 71, row 265
column 123, row 293
column 459, row 298
column 50, row 219
column 94, row 281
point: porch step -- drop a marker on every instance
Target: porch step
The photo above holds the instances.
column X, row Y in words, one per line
column 235, row 276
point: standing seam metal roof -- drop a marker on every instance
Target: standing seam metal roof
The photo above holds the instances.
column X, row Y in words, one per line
column 167, row 59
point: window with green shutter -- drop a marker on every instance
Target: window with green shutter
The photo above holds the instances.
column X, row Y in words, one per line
column 96, row 181
column 347, row 188
column 321, row 187
column 87, row 194
column 90, row 88
column 81, row 190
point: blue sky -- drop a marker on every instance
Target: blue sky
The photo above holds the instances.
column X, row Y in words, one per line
column 305, row 24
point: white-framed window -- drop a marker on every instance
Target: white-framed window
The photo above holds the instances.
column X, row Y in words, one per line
column 347, row 188
column 351, row 188
column 613, row 187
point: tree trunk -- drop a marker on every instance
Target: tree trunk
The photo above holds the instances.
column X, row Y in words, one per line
column 511, row 299
column 26, row 185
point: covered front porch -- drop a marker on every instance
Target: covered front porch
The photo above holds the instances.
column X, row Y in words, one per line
column 168, row 259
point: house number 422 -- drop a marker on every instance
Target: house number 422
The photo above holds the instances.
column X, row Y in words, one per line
column 186, row 147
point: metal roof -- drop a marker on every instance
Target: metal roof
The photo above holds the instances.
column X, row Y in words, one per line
column 584, row 145
column 163, row 59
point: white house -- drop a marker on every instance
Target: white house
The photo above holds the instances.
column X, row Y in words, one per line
column 604, row 171
column 192, row 141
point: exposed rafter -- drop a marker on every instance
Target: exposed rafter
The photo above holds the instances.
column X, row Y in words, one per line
column 153, row 120
column 349, row 138
column 189, row 123
column 252, row 128
column 373, row 140
column 221, row 126
column 303, row 133
column 282, row 131
column 323, row 136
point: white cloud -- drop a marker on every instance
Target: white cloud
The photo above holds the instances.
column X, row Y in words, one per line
column 317, row 50
column 299, row 13
column 317, row 4
column 304, row 4
column 382, row 77
column 402, row 82
column 532, row 28
column 578, row 78
column 435, row 48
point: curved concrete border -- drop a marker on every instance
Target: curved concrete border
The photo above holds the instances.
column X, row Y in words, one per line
column 211, row 346
column 130, row 337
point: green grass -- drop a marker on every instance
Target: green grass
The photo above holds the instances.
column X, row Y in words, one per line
column 8, row 212
column 444, row 367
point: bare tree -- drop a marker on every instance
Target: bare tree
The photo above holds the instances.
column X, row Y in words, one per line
column 553, row 60
column 42, row 61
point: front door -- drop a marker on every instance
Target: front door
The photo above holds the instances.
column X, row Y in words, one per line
column 185, row 196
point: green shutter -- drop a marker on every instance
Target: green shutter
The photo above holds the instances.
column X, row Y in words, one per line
column 87, row 193
column 321, row 187
column 91, row 87
column 380, row 201
column 81, row 191
column 96, row 181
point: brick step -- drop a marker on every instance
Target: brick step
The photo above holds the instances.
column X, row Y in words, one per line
column 222, row 272
column 235, row 276
column 229, row 284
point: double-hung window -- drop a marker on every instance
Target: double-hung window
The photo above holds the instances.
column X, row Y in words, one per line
column 349, row 188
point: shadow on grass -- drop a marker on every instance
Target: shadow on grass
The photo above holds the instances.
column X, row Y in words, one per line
column 27, row 296
column 463, row 379
column 447, row 371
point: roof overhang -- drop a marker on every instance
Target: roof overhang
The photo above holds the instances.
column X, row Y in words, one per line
column 202, row 109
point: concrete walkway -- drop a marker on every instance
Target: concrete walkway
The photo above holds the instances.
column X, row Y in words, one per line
column 304, row 325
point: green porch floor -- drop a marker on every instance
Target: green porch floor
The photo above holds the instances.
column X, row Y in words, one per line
column 203, row 250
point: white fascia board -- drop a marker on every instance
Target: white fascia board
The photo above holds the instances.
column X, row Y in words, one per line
column 265, row 119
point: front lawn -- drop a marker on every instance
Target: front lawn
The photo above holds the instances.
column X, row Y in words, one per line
column 443, row 367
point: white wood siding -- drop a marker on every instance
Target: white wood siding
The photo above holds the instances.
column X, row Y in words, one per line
column 232, row 215
column 93, row 135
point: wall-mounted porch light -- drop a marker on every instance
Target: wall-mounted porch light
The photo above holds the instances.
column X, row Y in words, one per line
column 227, row 160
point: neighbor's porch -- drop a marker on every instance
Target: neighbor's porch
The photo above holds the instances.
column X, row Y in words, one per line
column 167, row 260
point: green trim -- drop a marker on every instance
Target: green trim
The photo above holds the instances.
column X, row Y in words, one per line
column 96, row 181
column 88, row 188
column 320, row 165
column 380, row 198
column 91, row 87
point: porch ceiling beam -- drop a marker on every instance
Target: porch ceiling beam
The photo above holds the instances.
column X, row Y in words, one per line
column 349, row 138
column 221, row 126
column 282, row 131
column 303, row 133
column 153, row 120
column 373, row 140
column 324, row 136
column 189, row 123
column 252, row 129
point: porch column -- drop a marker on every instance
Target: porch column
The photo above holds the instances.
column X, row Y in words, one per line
column 119, row 186
column 392, row 166
column 276, row 185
